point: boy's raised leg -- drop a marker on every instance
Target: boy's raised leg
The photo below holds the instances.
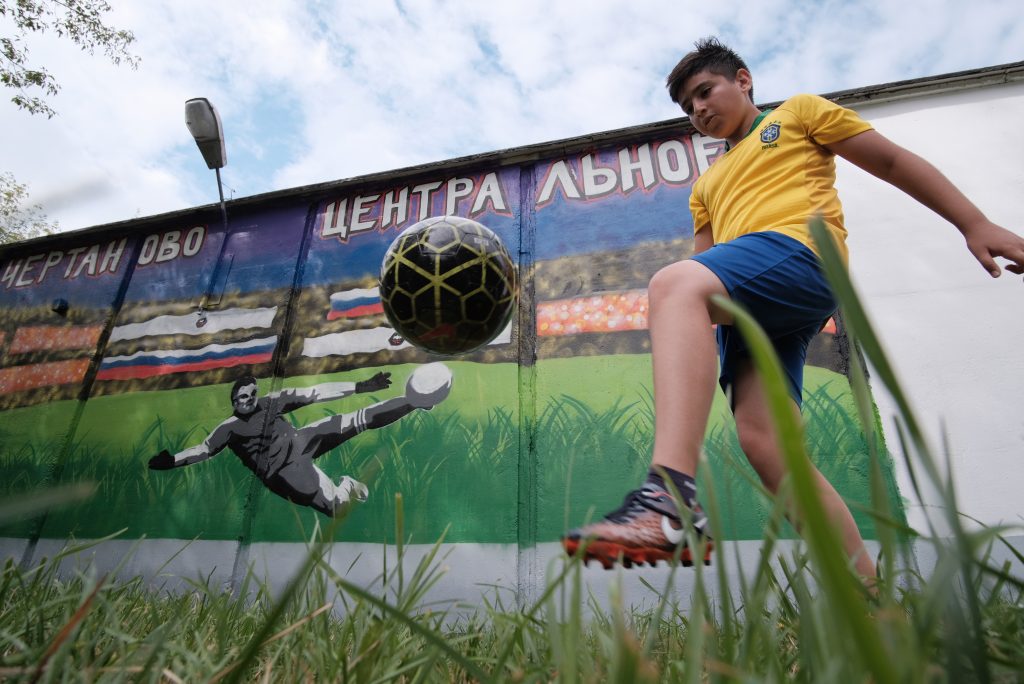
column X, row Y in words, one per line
column 648, row 527
column 684, row 359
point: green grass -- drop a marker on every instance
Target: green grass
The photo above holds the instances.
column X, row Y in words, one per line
column 779, row 624
column 799, row 614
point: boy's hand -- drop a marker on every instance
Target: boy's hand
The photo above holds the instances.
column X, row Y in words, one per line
column 986, row 241
column 379, row 381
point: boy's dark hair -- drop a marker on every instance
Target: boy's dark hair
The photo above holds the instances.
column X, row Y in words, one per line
column 711, row 55
column 241, row 382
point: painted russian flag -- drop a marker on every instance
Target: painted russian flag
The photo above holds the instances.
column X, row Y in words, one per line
column 355, row 303
column 191, row 324
column 146, row 364
column 367, row 341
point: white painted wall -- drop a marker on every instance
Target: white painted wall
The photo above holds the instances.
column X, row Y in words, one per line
column 953, row 333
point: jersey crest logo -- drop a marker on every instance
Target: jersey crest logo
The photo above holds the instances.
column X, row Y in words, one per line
column 770, row 133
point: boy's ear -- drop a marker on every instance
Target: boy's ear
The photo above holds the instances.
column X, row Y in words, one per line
column 744, row 79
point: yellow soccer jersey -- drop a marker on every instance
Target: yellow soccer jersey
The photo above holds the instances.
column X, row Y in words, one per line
column 779, row 175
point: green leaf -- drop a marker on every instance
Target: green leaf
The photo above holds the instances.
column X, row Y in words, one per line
column 841, row 587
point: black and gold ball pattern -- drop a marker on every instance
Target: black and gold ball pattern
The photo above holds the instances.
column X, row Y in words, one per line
column 448, row 285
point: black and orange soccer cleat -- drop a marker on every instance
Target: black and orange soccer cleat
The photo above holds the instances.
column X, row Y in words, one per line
column 647, row 528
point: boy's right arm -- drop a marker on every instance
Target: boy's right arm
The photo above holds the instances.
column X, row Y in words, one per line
column 905, row 170
column 702, row 240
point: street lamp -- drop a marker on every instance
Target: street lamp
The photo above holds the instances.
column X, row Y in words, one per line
column 203, row 123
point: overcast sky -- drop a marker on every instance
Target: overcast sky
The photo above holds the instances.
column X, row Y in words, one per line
column 314, row 91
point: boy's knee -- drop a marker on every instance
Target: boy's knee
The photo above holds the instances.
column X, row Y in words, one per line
column 686, row 278
column 665, row 281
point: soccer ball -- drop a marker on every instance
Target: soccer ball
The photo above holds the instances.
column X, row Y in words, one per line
column 448, row 285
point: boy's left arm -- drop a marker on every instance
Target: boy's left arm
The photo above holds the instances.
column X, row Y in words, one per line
column 883, row 158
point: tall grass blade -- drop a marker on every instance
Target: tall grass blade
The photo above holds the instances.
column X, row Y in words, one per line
column 238, row 669
column 413, row 625
column 842, row 588
column 863, row 334
column 67, row 630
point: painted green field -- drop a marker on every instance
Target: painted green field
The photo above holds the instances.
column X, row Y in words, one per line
column 577, row 435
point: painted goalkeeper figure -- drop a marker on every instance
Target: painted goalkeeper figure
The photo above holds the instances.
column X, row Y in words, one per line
column 282, row 455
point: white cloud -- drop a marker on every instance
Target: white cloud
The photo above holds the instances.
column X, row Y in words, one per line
column 834, row 45
column 315, row 91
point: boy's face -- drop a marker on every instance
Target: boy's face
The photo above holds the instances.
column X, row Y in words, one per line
column 717, row 105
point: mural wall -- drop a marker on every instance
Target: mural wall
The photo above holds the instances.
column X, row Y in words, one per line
column 241, row 382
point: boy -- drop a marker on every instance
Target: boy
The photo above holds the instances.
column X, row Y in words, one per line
column 751, row 244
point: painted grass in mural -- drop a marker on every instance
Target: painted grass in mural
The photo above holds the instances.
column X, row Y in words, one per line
column 453, row 464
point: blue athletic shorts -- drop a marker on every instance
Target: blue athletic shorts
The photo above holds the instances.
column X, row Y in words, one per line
column 779, row 281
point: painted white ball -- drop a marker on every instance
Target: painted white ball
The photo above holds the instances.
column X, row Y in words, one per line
column 428, row 385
